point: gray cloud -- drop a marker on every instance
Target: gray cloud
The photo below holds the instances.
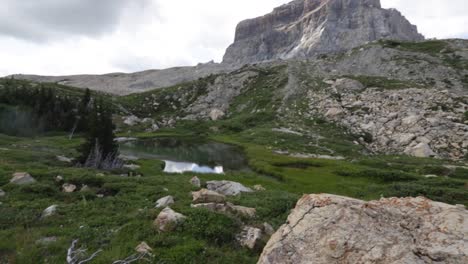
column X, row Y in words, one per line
column 43, row 20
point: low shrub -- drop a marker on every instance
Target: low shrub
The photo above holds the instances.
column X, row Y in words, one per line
column 379, row 175
column 212, row 227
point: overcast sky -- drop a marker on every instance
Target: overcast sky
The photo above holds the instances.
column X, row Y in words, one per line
column 61, row 37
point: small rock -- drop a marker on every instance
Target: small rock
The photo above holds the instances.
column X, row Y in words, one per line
column 22, row 178
column 68, row 188
column 227, row 208
column 430, row 176
column 195, row 181
column 2, row 193
column 250, row 237
column 58, row 178
column 143, row 248
column 422, row 150
column 216, row 114
column 334, row 112
column 131, row 120
column 228, row 188
column 64, row 159
column 168, row 220
column 245, row 211
column 46, row 241
column 49, row 211
column 207, row 196
column 268, row 229
column 259, row 188
column 132, row 166
column 164, row 202
column 154, row 127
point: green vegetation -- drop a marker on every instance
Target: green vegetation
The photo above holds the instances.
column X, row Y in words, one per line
column 436, row 48
column 432, row 47
column 384, row 83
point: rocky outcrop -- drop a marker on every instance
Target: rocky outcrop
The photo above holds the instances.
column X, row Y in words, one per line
column 421, row 122
column 228, row 188
column 22, row 178
column 327, row 228
column 304, row 28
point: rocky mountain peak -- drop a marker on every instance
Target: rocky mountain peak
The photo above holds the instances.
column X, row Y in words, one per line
column 304, row 28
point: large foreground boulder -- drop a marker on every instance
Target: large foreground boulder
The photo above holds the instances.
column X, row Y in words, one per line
column 326, row 228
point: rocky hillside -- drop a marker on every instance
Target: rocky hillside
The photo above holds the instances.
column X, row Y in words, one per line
column 393, row 97
column 304, row 28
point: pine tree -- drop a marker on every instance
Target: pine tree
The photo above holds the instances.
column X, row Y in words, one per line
column 100, row 149
column 83, row 111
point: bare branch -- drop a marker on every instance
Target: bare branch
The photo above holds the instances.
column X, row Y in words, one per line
column 134, row 258
column 74, row 254
column 91, row 257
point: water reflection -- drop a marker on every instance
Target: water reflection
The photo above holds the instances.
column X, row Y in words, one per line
column 188, row 155
column 181, row 167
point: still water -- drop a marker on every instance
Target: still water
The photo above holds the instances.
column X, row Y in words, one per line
column 188, row 155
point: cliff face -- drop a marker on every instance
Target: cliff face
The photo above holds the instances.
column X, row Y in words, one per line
column 304, row 28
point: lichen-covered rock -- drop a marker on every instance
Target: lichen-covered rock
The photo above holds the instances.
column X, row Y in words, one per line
column 227, row 208
column 259, row 188
column 168, row 220
column 68, row 187
column 250, row 237
column 327, row 228
column 22, row 178
column 143, row 247
column 49, row 211
column 305, row 28
column 216, row 114
column 228, row 188
column 195, row 181
column 421, row 150
column 164, row 202
column 207, row 196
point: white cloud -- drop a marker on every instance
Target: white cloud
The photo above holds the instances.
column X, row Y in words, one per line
column 165, row 33
column 435, row 18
